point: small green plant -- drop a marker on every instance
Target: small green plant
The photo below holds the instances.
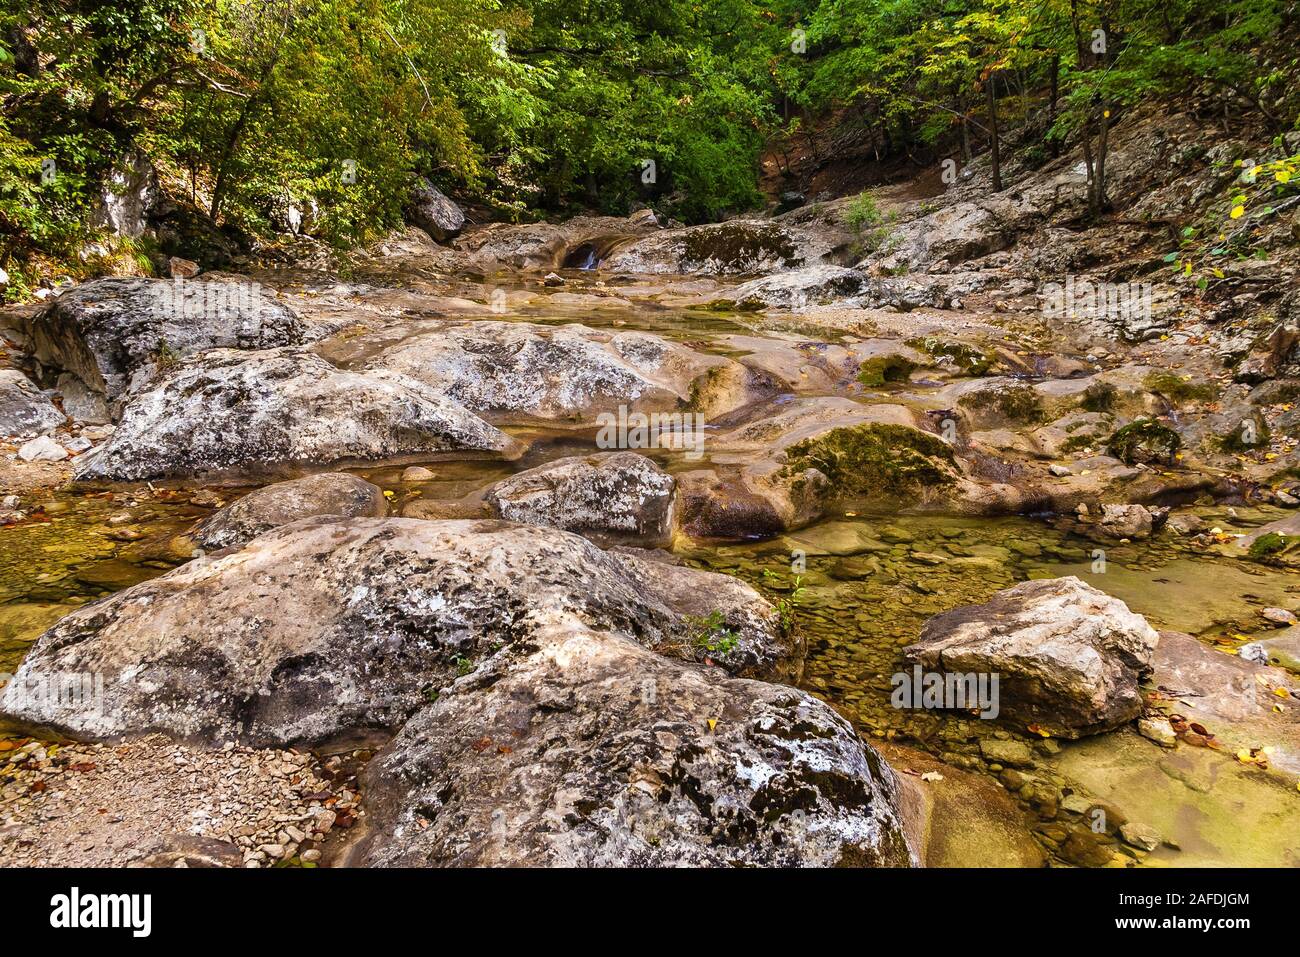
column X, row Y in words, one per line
column 463, row 665
column 786, row 605
column 165, row 357
column 711, row 633
column 867, row 223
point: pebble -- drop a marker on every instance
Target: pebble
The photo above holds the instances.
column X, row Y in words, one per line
column 1140, row 836
column 1279, row 616
column 1158, row 730
column 417, row 473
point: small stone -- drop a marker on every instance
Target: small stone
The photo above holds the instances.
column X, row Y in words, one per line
column 1060, row 471
column 1075, row 804
column 1158, row 730
column 553, row 279
column 417, row 473
column 1140, row 836
column 273, row 851
column 43, row 449
column 1013, row 753
column 310, row 857
column 205, row 499
column 1279, row 616
column 179, row 268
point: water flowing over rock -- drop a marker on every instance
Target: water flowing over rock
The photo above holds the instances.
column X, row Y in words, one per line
column 328, row 628
column 609, row 497
column 433, row 212
column 589, row 750
column 1069, row 657
column 330, row 493
column 228, row 411
column 24, row 410
column 113, row 333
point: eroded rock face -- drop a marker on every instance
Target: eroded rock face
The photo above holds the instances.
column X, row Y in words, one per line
column 609, row 497
column 113, row 333
column 433, row 212
column 548, row 372
column 1069, row 657
column 228, row 411
column 738, row 247
column 798, row 288
column 588, row 750
column 328, row 628
column 331, row 493
column 24, row 409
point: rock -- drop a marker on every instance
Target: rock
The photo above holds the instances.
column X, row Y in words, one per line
column 114, row 333
column 548, row 372
column 1279, row 616
column 552, row 280
column 417, row 473
column 42, row 449
column 1129, row 521
column 433, row 212
column 1283, row 650
column 179, row 268
column 1145, row 441
column 1015, row 754
column 610, row 497
column 1141, row 836
column 129, row 195
column 1159, row 730
column 331, row 493
column 587, row 750
column 1060, row 471
column 228, row 411
column 736, row 247
column 1069, row 657
column 799, row 288
column 332, row 629
column 24, row 409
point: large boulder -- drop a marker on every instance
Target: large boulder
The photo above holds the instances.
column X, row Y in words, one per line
column 113, row 333
column 1069, row 657
column 433, row 212
column 737, row 247
column 610, row 497
column 228, row 411
column 799, row 288
column 330, row 493
column 24, row 409
column 545, row 372
column 327, row 629
column 587, row 750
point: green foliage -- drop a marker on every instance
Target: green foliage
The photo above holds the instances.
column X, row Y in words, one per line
column 711, row 633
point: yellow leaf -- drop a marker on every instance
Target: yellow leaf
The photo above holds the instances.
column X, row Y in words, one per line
column 1282, row 176
column 1238, row 212
column 713, row 723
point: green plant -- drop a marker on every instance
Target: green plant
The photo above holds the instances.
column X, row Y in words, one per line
column 787, row 604
column 463, row 665
column 711, row 633
column 1267, row 545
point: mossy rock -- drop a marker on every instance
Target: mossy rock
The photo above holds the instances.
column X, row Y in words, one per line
column 1100, row 397
column 1014, row 403
column 1145, row 441
column 1249, row 434
column 1178, row 389
column 871, row 459
column 1269, row 545
column 737, row 246
column 881, row 369
column 968, row 359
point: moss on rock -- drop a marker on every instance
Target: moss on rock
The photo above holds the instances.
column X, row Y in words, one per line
column 1145, row 441
column 969, row 359
column 870, row 459
column 881, row 369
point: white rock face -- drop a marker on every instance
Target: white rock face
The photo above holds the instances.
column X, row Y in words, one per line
column 610, row 497
column 228, row 411
column 1069, row 656
column 588, row 750
column 332, row 628
column 547, row 372
column 24, row 409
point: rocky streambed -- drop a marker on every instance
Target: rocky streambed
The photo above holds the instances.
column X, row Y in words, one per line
column 478, row 557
